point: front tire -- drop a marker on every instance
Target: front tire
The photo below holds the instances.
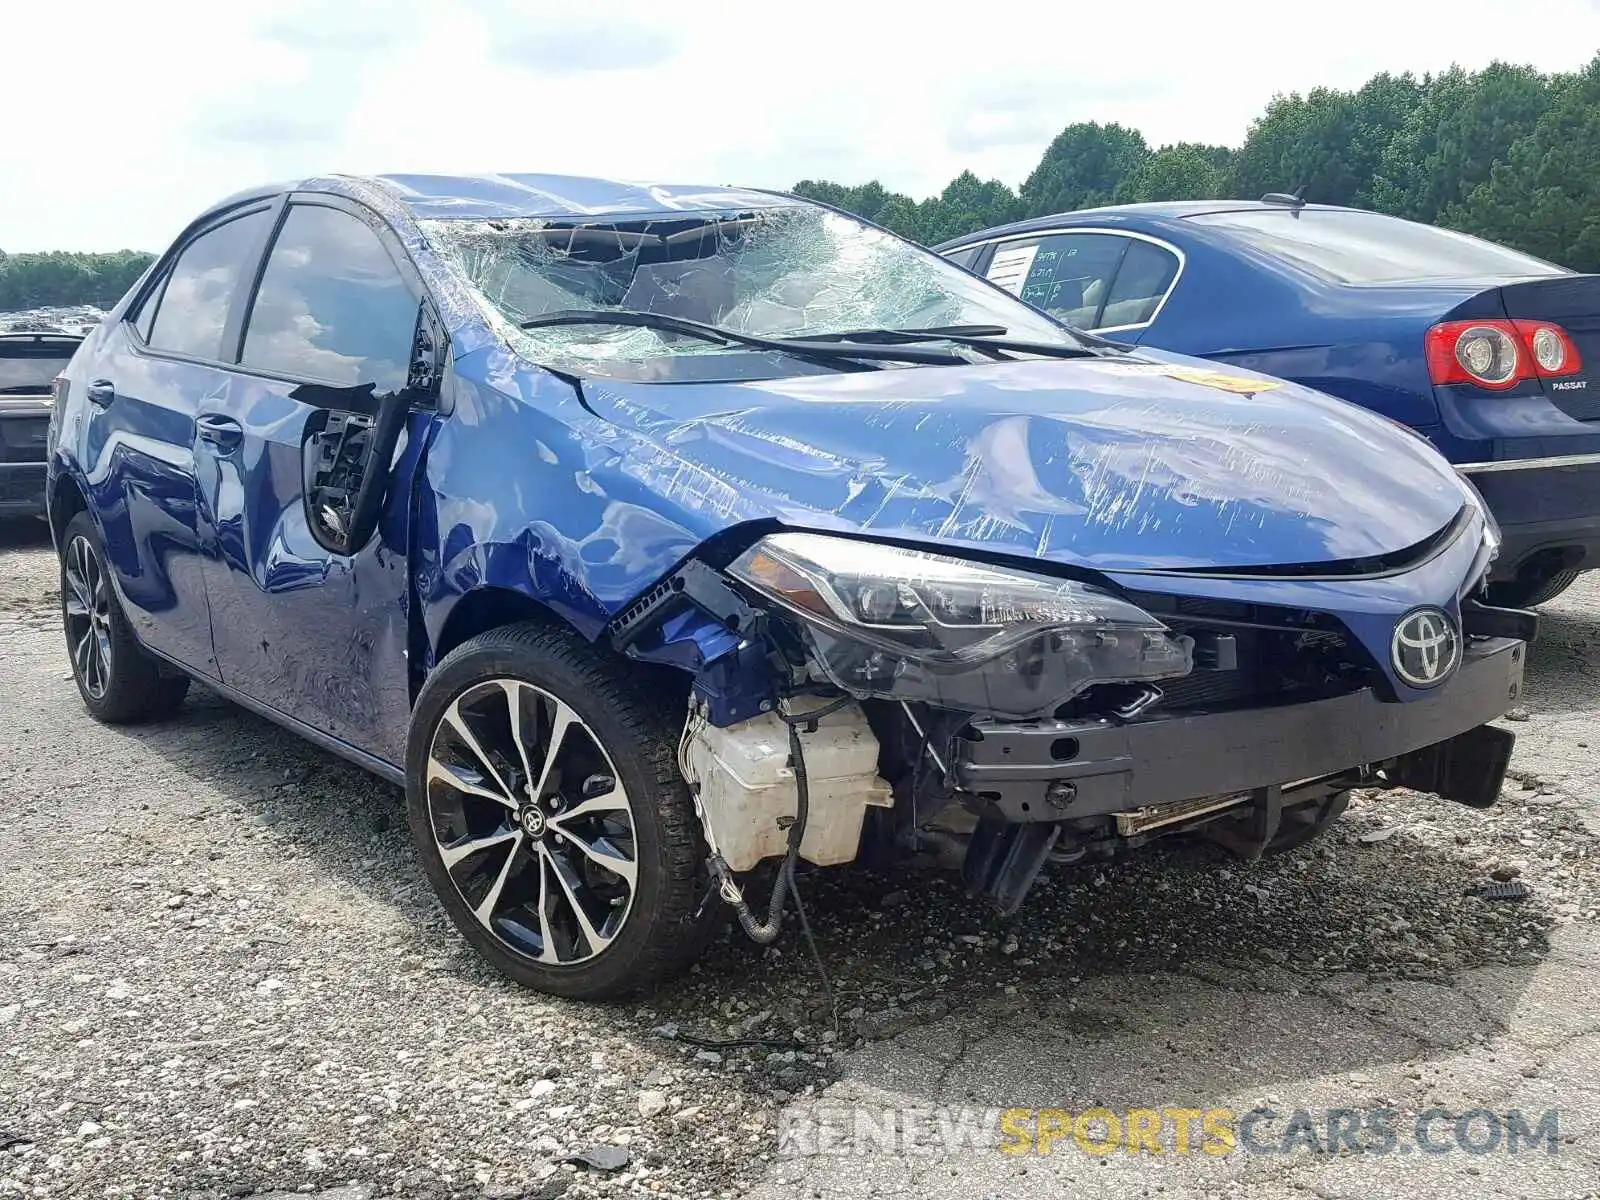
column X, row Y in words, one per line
column 545, row 803
column 120, row 683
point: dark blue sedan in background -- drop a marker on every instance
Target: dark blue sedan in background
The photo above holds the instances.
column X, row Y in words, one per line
column 1485, row 351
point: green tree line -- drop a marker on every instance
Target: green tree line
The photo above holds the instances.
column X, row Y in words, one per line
column 59, row 277
column 1507, row 153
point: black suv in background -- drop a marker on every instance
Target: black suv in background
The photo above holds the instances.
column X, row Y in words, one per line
column 29, row 363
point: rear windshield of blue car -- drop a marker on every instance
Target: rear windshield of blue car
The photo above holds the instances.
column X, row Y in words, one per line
column 27, row 368
column 1348, row 246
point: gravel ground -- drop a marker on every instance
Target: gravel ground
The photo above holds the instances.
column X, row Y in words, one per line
column 221, row 974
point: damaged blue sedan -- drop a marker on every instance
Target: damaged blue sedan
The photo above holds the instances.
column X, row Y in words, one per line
column 660, row 539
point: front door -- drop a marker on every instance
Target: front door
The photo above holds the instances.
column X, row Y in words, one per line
column 303, row 622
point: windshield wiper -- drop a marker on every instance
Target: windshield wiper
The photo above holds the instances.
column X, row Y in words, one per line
column 25, row 389
column 926, row 334
column 979, row 337
column 824, row 351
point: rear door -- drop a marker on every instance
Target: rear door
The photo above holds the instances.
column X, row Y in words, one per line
column 312, row 629
column 143, row 387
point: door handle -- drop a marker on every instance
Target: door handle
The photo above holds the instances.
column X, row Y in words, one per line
column 101, row 393
column 222, row 432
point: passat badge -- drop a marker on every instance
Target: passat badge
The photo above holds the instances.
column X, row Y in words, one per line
column 1425, row 648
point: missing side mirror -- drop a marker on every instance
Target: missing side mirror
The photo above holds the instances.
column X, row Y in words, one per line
column 349, row 446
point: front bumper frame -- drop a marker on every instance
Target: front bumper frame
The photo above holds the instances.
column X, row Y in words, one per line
column 1064, row 770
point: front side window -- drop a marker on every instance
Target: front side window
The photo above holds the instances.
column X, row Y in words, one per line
column 191, row 308
column 1349, row 246
column 782, row 272
column 1066, row 274
column 332, row 306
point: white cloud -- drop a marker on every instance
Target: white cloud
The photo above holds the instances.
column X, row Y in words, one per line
column 147, row 113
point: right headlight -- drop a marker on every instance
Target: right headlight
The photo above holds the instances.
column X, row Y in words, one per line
column 913, row 625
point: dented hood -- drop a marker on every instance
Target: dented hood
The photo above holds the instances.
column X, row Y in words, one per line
column 1138, row 462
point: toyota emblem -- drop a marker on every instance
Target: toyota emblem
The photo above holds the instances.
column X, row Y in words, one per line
column 1426, row 648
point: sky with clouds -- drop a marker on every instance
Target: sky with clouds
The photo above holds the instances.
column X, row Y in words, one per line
column 149, row 111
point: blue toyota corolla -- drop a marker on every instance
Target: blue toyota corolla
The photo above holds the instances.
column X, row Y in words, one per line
column 1489, row 353
column 657, row 539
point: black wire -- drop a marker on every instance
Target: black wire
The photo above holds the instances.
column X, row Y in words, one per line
column 816, row 714
column 802, row 811
column 816, row 956
column 765, row 933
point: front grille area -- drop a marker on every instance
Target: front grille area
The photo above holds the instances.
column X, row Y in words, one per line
column 1274, row 667
column 1280, row 656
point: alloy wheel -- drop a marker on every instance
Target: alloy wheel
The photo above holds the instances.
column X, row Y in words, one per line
column 531, row 822
column 87, row 605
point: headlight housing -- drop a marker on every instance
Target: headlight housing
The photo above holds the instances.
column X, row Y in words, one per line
column 913, row 625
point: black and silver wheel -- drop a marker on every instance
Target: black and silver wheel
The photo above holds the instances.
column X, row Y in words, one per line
column 118, row 681
column 545, row 803
column 86, row 610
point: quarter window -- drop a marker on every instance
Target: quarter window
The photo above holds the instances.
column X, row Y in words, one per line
column 964, row 257
column 191, row 310
column 1142, row 282
column 332, row 306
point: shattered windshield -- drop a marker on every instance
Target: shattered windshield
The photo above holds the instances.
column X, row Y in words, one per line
column 783, row 272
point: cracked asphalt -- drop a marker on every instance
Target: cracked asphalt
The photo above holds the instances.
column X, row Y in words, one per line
column 221, row 974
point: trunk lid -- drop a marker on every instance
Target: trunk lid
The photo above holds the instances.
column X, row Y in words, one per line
column 1572, row 302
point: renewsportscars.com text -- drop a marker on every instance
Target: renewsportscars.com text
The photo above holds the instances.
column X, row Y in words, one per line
column 845, row 1130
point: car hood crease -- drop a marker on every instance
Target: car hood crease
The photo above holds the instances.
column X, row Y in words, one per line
column 1127, row 464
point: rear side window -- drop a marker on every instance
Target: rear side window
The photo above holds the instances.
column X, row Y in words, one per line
column 332, row 306
column 1347, row 246
column 1066, row 274
column 192, row 310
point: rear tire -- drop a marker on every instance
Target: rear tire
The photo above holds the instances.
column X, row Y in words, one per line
column 1525, row 593
column 573, row 863
column 120, row 683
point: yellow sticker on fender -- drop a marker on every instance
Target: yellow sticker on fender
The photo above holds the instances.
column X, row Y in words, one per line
column 1244, row 385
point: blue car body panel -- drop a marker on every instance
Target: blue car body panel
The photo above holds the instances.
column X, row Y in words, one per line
column 320, row 637
column 1050, row 460
column 135, row 462
column 1236, row 303
column 580, row 495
